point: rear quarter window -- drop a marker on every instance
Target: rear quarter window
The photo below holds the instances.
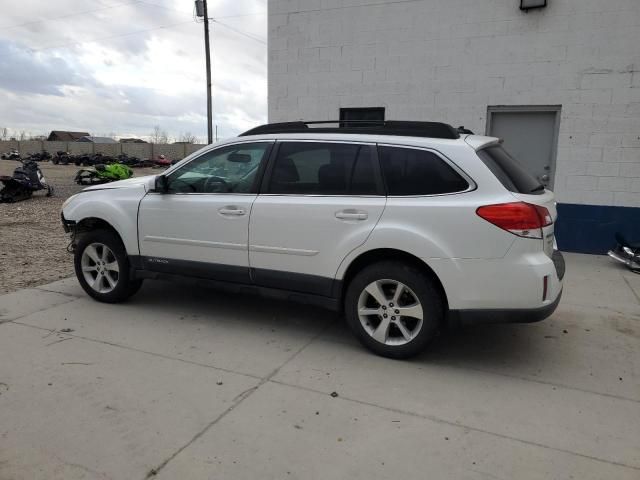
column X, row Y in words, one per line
column 509, row 171
column 410, row 171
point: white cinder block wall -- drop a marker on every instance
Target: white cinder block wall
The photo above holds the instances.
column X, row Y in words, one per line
column 447, row 60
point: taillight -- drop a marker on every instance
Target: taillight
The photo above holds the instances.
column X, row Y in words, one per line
column 520, row 218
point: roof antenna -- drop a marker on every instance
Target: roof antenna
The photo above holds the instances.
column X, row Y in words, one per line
column 461, row 129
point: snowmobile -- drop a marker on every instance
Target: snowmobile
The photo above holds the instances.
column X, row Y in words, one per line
column 25, row 180
column 103, row 174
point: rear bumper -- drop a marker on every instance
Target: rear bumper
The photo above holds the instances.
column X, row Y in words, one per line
column 459, row 318
column 520, row 288
column 558, row 263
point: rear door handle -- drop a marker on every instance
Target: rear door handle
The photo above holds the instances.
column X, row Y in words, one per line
column 352, row 215
column 232, row 210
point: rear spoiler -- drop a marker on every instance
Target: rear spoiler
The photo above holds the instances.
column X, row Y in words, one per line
column 478, row 142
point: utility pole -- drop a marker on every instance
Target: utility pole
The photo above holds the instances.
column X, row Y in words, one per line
column 201, row 11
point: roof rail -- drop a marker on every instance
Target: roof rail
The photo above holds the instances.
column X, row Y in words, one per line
column 370, row 127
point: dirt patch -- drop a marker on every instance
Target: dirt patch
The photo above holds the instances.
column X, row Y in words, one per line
column 33, row 245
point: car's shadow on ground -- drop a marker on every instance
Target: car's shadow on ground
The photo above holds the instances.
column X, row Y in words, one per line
column 485, row 346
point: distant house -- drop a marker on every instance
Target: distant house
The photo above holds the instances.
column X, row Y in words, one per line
column 64, row 136
column 132, row 140
column 89, row 138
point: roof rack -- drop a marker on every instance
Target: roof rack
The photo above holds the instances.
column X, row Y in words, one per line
column 371, row 127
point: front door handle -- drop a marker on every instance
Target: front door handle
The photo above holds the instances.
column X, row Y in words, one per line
column 352, row 214
column 232, row 210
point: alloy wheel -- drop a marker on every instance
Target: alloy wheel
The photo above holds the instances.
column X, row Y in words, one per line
column 390, row 312
column 100, row 267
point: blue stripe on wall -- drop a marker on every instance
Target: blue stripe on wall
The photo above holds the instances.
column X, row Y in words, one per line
column 591, row 228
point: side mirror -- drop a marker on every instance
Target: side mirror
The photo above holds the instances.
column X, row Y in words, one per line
column 162, row 184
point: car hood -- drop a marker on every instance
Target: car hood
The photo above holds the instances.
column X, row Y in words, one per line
column 147, row 181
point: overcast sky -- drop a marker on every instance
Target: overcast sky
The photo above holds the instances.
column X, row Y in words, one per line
column 105, row 66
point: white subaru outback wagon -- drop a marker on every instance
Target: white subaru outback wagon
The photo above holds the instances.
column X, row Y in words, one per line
column 404, row 226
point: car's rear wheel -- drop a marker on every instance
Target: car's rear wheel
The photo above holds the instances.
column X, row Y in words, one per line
column 394, row 309
column 102, row 267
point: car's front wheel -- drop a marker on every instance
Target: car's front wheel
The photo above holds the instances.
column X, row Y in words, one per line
column 102, row 267
column 393, row 309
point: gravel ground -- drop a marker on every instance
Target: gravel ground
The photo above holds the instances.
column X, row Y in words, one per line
column 33, row 245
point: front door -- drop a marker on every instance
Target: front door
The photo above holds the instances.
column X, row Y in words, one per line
column 321, row 201
column 199, row 227
column 530, row 134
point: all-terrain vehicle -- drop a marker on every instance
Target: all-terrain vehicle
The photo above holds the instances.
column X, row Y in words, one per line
column 61, row 158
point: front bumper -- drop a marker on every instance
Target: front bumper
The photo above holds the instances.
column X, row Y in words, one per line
column 68, row 225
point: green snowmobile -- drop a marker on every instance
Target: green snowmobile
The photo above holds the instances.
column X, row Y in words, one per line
column 103, row 174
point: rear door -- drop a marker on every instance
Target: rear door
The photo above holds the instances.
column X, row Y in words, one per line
column 320, row 200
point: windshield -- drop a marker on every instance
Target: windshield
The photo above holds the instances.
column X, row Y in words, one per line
column 509, row 171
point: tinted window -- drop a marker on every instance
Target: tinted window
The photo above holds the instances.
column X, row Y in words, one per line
column 230, row 169
column 508, row 170
column 324, row 169
column 408, row 171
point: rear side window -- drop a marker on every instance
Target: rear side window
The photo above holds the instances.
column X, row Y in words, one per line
column 314, row 168
column 508, row 170
column 409, row 171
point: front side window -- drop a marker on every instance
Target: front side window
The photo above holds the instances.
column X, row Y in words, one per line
column 311, row 168
column 231, row 169
column 409, row 171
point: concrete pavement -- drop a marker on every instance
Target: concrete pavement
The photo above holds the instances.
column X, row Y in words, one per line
column 183, row 382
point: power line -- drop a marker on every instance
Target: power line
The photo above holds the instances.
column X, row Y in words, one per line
column 109, row 7
column 160, row 27
column 136, row 32
column 240, row 15
column 240, row 32
column 85, row 12
column 91, row 40
column 210, row 18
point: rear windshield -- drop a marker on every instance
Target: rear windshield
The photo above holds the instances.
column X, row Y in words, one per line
column 508, row 170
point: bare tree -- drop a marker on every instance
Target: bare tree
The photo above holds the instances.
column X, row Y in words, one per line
column 187, row 137
column 159, row 135
column 4, row 133
column 22, row 135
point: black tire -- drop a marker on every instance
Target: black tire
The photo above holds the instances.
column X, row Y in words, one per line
column 421, row 288
column 124, row 286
